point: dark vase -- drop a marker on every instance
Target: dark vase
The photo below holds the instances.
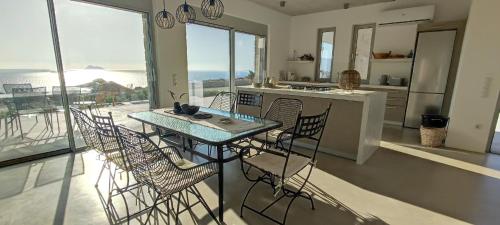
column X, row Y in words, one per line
column 177, row 107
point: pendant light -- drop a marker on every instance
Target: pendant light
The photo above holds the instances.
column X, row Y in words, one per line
column 212, row 9
column 185, row 13
column 164, row 19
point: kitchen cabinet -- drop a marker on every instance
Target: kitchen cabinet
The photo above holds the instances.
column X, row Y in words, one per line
column 395, row 106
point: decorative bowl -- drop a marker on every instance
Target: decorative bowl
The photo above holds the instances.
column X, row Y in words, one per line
column 189, row 109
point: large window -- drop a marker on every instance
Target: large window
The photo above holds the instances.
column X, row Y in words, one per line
column 103, row 54
column 209, row 61
column 27, row 74
column 362, row 47
column 249, row 57
column 326, row 47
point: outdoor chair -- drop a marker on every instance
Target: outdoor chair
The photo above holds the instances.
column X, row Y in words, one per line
column 280, row 167
column 31, row 102
column 164, row 171
column 8, row 87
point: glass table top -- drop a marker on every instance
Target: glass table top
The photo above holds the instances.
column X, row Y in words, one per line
column 203, row 133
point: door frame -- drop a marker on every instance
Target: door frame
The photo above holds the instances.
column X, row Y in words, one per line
column 352, row 56
column 493, row 126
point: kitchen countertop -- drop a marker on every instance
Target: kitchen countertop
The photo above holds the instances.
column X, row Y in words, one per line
column 403, row 88
column 356, row 95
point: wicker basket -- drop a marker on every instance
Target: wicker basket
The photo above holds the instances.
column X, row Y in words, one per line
column 432, row 137
column 350, row 80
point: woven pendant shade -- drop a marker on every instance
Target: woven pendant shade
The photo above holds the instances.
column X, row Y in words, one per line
column 349, row 80
column 185, row 13
column 212, row 9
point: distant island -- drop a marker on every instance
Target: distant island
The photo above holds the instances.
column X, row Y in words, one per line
column 92, row 67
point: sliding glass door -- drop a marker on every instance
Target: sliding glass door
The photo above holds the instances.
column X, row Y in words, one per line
column 249, row 58
column 29, row 111
column 209, row 61
column 104, row 57
column 104, row 53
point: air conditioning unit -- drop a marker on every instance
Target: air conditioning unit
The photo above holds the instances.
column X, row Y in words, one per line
column 408, row 15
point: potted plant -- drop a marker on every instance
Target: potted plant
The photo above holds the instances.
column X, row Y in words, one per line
column 177, row 105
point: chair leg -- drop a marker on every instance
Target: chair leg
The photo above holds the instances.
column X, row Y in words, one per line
column 197, row 193
column 100, row 174
column 246, row 196
column 20, row 127
column 288, row 208
column 308, row 196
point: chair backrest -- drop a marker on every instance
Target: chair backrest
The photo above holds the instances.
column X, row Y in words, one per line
column 224, row 101
column 250, row 99
column 30, row 98
column 146, row 160
column 286, row 111
column 310, row 127
column 105, row 128
column 8, row 87
column 86, row 126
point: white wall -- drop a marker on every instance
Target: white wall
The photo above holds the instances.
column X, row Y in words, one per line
column 478, row 81
column 171, row 44
column 139, row 5
column 303, row 33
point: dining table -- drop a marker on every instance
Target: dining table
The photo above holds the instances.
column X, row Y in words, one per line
column 221, row 130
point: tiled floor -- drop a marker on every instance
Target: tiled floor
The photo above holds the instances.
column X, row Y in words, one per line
column 398, row 185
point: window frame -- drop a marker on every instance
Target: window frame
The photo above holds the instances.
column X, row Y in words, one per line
column 318, row 53
column 354, row 39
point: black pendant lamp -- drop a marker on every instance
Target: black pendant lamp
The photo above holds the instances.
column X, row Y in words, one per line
column 164, row 19
column 212, row 9
column 185, row 13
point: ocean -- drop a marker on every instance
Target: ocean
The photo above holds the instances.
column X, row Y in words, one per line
column 127, row 78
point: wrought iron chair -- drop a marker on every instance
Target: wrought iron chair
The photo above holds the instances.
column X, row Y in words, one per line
column 250, row 100
column 86, row 126
column 278, row 167
column 8, row 87
column 56, row 103
column 164, row 171
column 223, row 101
column 31, row 101
column 9, row 117
column 285, row 110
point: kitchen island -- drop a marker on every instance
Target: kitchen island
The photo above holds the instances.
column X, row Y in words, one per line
column 354, row 126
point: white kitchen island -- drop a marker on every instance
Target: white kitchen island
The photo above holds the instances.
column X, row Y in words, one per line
column 354, row 126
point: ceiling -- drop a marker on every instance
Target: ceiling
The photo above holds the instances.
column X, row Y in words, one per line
column 300, row 7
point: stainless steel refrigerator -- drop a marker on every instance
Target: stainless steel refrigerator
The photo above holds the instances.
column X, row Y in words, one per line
column 431, row 68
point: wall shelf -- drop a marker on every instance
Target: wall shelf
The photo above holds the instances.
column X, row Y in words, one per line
column 300, row 61
column 401, row 60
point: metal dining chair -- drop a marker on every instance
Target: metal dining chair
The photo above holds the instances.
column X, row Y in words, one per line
column 164, row 171
column 278, row 167
column 223, row 101
column 251, row 100
column 286, row 111
column 56, row 103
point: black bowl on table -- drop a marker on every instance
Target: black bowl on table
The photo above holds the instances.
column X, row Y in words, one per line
column 189, row 109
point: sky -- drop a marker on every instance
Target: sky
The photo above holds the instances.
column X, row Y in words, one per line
column 101, row 36
column 89, row 35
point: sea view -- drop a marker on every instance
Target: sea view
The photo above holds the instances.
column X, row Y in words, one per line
column 126, row 78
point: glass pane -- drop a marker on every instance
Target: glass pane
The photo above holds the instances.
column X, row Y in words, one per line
column 208, row 63
column 326, row 59
column 249, row 58
column 363, row 51
column 30, row 121
column 104, row 59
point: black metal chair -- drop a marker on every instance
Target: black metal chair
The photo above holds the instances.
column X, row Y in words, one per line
column 224, row 101
column 8, row 87
column 250, row 100
column 56, row 103
column 164, row 171
column 31, row 101
column 279, row 166
column 285, row 110
column 86, row 126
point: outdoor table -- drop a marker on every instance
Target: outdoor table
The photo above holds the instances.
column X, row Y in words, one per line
column 209, row 133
